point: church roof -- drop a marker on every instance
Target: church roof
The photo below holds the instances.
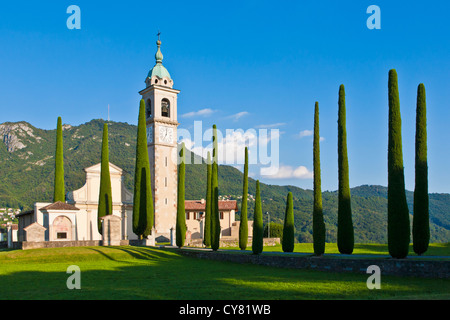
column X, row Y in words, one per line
column 199, row 205
column 60, row 206
column 24, row 213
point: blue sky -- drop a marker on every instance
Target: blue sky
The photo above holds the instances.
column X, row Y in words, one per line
column 269, row 61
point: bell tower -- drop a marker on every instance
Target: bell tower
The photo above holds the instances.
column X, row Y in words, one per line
column 161, row 117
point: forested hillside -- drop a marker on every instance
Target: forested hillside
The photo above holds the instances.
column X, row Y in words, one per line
column 27, row 170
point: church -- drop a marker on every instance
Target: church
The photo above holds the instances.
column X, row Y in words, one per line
column 76, row 219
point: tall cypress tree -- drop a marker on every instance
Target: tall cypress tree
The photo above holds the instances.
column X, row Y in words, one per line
column 398, row 214
column 243, row 226
column 421, row 223
column 215, row 218
column 318, row 222
column 345, row 236
column 143, row 215
column 181, row 213
column 207, row 228
column 59, row 193
column 288, row 228
column 105, row 195
column 258, row 230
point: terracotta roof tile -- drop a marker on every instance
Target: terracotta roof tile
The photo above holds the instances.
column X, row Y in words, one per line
column 60, row 206
column 197, row 205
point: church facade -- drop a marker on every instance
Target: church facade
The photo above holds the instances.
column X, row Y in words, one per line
column 76, row 219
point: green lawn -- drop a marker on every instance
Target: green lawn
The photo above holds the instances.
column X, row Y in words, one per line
column 435, row 249
column 151, row 273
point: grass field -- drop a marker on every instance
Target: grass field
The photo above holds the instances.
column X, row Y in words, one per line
column 151, row 273
column 435, row 249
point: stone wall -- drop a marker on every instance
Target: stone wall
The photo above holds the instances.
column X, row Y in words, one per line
column 25, row 245
column 111, row 230
column 34, row 233
column 227, row 242
column 397, row 267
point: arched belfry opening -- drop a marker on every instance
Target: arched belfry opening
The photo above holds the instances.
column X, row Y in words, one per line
column 165, row 108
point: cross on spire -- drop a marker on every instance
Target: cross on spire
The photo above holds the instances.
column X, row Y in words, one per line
column 158, row 34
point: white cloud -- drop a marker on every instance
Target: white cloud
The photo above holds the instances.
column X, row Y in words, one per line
column 240, row 168
column 238, row 115
column 203, row 112
column 272, row 125
column 286, row 172
column 262, row 147
column 305, row 133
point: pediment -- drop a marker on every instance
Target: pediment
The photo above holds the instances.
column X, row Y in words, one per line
column 96, row 168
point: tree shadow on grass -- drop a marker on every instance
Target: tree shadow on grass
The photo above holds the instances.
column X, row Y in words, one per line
column 161, row 274
column 143, row 253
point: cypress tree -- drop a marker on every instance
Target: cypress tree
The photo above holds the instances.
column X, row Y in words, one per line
column 215, row 219
column 143, row 215
column 398, row 214
column 105, row 195
column 181, row 213
column 243, row 226
column 421, row 223
column 207, row 232
column 59, row 193
column 258, row 230
column 288, row 229
column 345, row 236
column 318, row 222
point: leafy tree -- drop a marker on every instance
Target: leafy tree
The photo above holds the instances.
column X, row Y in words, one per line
column 59, row 193
column 275, row 229
column 345, row 236
column 421, row 220
column 207, row 232
column 398, row 214
column 318, row 222
column 288, row 230
column 257, row 241
column 215, row 219
column 105, row 195
column 243, row 226
column 181, row 213
column 143, row 214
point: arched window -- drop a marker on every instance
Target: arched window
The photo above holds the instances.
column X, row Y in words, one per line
column 62, row 228
column 148, row 108
column 165, row 108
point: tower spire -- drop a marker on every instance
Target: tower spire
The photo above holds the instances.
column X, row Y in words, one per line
column 158, row 74
column 159, row 55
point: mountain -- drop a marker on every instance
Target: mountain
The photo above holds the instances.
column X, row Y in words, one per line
column 27, row 170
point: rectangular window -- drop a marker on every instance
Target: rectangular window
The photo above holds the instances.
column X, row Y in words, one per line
column 221, row 215
column 61, row 235
column 166, row 161
column 187, row 215
column 166, row 200
column 165, row 181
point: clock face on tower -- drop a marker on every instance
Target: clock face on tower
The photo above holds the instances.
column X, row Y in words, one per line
column 165, row 134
